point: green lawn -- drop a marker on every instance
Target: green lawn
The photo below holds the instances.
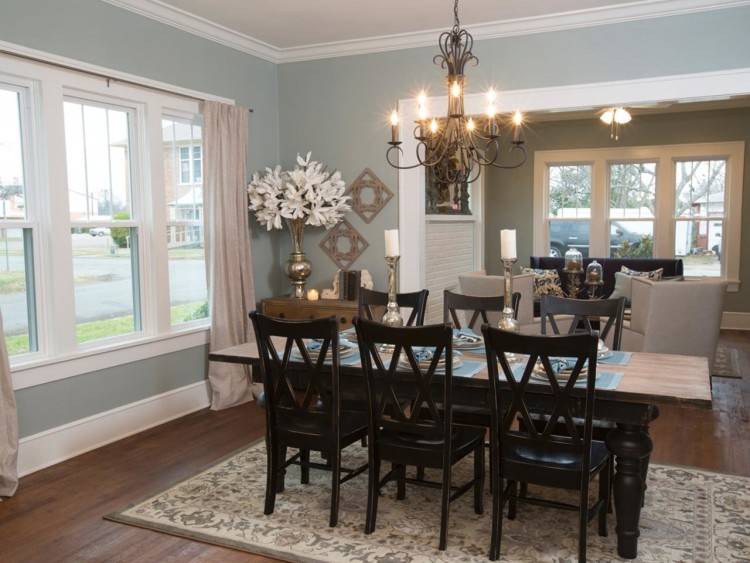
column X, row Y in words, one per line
column 186, row 253
column 17, row 344
column 104, row 328
column 12, row 282
column 189, row 312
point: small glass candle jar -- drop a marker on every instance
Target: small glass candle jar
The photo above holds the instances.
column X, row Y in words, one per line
column 594, row 272
column 573, row 260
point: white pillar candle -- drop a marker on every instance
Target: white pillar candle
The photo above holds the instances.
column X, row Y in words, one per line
column 508, row 244
column 312, row 295
column 391, row 243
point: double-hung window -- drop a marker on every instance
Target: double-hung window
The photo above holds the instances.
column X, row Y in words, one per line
column 632, row 209
column 666, row 201
column 104, row 235
column 188, row 295
column 17, row 282
column 569, row 205
column 700, row 193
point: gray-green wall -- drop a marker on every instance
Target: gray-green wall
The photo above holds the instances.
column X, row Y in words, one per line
column 99, row 33
column 509, row 193
column 337, row 108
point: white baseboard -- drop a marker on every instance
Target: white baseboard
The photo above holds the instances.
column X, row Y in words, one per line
column 735, row 320
column 80, row 436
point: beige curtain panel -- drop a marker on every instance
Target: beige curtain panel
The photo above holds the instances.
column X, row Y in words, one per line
column 8, row 424
column 231, row 289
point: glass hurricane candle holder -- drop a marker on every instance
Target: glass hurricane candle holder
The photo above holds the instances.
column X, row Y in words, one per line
column 594, row 272
column 573, row 260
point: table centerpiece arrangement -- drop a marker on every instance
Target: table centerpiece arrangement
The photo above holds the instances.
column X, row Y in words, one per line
column 308, row 195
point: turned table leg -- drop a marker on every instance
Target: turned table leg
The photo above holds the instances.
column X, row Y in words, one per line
column 632, row 445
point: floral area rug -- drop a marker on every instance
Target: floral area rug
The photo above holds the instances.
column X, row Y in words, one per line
column 690, row 515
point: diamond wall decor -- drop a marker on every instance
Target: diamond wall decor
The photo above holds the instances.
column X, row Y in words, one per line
column 344, row 244
column 369, row 195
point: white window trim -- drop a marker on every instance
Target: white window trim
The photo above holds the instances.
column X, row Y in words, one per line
column 665, row 157
column 47, row 86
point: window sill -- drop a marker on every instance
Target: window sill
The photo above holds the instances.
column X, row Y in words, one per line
column 45, row 370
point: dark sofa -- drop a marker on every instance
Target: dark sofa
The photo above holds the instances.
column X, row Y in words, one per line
column 672, row 267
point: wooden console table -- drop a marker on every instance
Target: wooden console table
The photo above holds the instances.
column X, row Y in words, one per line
column 302, row 309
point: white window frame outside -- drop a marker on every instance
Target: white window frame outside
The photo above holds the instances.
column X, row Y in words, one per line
column 665, row 157
column 58, row 355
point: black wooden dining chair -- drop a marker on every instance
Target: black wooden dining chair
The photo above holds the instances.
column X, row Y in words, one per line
column 303, row 403
column 587, row 316
column 371, row 301
column 406, row 426
column 478, row 307
column 533, row 455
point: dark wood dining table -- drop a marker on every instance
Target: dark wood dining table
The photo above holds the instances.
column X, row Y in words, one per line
column 648, row 380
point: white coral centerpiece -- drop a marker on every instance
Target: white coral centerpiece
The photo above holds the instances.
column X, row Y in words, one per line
column 309, row 193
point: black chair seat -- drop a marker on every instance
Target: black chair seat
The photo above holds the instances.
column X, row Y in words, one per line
column 404, row 448
column 306, row 433
column 536, row 464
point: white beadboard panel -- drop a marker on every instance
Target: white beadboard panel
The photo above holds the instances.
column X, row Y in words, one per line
column 449, row 251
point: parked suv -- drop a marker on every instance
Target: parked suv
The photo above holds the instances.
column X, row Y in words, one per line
column 564, row 235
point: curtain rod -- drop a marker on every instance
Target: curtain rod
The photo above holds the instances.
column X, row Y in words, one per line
column 104, row 76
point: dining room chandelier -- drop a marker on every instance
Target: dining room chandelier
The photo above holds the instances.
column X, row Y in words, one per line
column 458, row 146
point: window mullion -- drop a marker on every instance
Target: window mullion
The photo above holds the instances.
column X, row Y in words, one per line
column 598, row 237
column 665, row 205
column 57, row 248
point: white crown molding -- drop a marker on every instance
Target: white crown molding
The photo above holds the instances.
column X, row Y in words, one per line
column 643, row 9
column 185, row 21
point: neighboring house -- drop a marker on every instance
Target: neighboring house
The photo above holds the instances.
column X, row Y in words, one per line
column 183, row 179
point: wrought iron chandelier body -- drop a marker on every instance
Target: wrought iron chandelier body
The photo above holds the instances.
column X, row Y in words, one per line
column 458, row 146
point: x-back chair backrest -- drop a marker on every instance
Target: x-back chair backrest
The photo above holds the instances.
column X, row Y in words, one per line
column 610, row 313
column 512, row 398
column 478, row 306
column 310, row 392
column 412, row 399
column 416, row 301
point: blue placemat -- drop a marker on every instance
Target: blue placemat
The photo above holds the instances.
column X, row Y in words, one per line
column 618, row 358
column 605, row 381
column 468, row 368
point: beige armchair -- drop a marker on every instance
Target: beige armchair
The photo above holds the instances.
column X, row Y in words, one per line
column 482, row 285
column 675, row 317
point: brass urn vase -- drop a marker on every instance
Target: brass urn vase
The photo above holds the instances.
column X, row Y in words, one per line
column 298, row 267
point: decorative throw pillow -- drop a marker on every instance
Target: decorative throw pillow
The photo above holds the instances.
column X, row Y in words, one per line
column 623, row 287
column 546, row 282
column 652, row 275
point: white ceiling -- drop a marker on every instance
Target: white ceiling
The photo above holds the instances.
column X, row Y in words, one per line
column 292, row 23
column 296, row 30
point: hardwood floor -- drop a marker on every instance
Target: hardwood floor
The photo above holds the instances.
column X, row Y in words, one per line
column 57, row 513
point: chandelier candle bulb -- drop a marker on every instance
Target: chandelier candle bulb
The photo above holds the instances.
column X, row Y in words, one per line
column 391, row 243
column 508, row 244
column 394, row 126
column 455, row 89
column 433, row 126
column 517, row 122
